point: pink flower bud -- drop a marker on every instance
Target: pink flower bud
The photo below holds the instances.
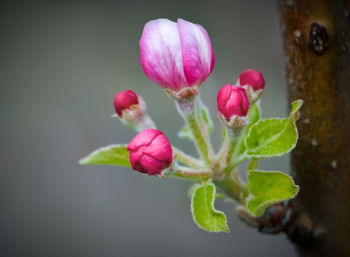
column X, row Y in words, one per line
column 177, row 56
column 233, row 106
column 150, row 152
column 129, row 106
column 124, row 100
column 253, row 82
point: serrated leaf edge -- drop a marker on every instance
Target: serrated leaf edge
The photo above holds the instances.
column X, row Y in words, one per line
column 260, row 156
column 291, row 116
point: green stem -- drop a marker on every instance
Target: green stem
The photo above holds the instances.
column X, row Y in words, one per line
column 187, row 159
column 224, row 147
column 188, row 112
column 232, row 136
column 189, row 174
column 233, row 186
column 204, row 123
column 236, row 162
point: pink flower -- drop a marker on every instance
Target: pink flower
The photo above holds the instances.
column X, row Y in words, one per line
column 129, row 106
column 150, row 152
column 233, row 106
column 253, row 82
column 176, row 56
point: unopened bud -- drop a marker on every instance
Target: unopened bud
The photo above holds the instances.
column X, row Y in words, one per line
column 129, row 106
column 253, row 82
column 233, row 106
column 150, row 152
column 176, row 55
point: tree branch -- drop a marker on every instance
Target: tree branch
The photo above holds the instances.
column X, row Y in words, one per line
column 317, row 59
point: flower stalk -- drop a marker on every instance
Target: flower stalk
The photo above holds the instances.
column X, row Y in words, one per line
column 191, row 174
column 187, row 109
column 187, row 159
column 144, row 122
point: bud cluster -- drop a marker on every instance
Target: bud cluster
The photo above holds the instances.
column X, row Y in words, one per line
column 179, row 57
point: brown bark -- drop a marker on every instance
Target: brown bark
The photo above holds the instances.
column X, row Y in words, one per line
column 317, row 58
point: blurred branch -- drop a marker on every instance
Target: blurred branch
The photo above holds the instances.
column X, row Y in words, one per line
column 317, row 59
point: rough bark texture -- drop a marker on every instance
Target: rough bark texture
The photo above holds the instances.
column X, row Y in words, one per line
column 317, row 58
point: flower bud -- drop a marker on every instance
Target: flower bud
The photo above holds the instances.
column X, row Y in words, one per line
column 150, row 152
column 233, row 106
column 177, row 56
column 129, row 106
column 253, row 82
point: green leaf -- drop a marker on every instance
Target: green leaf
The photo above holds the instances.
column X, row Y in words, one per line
column 254, row 116
column 195, row 186
column 273, row 137
column 267, row 188
column 296, row 105
column 109, row 155
column 203, row 211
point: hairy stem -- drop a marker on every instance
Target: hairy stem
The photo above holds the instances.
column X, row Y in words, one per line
column 233, row 136
column 188, row 112
column 189, row 174
column 144, row 122
column 187, row 159
column 224, row 147
column 233, row 186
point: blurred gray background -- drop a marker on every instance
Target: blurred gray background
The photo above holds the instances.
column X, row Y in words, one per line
column 61, row 64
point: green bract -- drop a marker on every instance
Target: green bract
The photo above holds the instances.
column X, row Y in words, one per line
column 267, row 188
column 203, row 211
column 109, row 155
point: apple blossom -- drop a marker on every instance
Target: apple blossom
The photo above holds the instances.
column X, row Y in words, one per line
column 176, row 55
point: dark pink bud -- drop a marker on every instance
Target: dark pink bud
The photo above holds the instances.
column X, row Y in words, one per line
column 150, row 152
column 253, row 82
column 124, row 100
column 252, row 78
column 232, row 100
column 129, row 106
column 233, row 105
